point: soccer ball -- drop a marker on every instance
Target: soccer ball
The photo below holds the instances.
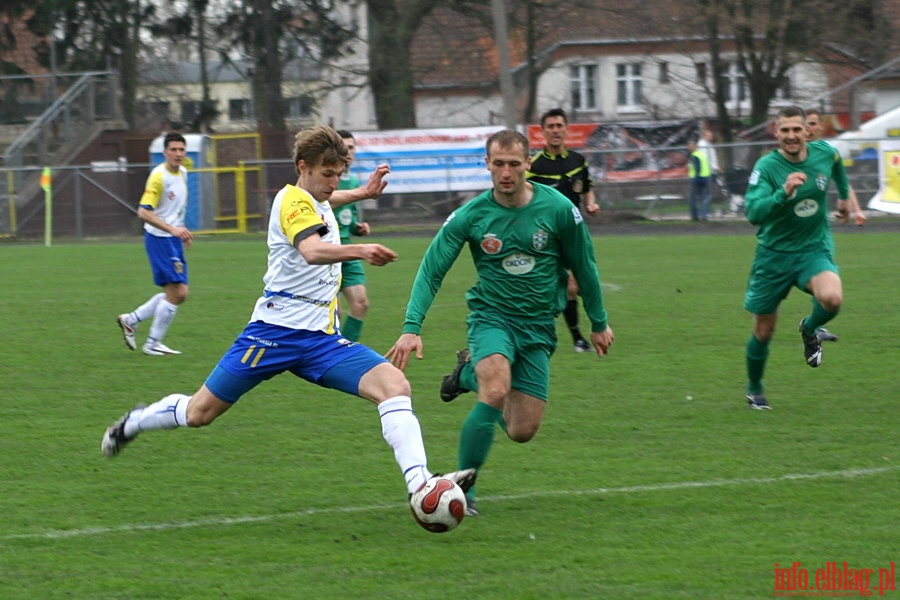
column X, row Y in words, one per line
column 439, row 505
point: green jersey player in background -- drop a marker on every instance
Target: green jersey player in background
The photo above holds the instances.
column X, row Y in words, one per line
column 523, row 238
column 353, row 277
column 787, row 199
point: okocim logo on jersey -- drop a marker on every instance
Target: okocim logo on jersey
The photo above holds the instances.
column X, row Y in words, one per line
column 806, row 208
column 518, row 263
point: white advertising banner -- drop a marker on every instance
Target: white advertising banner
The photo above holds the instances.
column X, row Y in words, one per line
column 888, row 197
column 426, row 160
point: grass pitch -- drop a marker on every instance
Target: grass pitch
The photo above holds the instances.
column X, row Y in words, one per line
column 649, row 479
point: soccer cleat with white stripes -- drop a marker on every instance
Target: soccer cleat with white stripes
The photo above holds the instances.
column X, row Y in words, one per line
column 127, row 331
column 114, row 438
column 757, row 402
column 158, row 349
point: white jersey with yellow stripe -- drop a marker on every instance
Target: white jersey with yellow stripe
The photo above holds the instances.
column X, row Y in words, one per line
column 297, row 294
column 167, row 194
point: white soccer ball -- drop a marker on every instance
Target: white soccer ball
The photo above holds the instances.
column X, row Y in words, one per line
column 439, row 505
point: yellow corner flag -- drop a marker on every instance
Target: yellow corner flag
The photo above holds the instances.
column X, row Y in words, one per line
column 46, row 185
column 45, row 179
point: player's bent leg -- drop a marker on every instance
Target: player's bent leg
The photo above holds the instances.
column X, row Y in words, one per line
column 523, row 415
column 383, row 381
column 828, row 291
column 357, row 301
column 205, row 407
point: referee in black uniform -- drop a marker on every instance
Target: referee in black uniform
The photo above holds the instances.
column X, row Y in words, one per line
column 567, row 171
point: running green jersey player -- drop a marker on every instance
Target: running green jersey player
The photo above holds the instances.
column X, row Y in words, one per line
column 787, row 199
column 523, row 237
column 353, row 277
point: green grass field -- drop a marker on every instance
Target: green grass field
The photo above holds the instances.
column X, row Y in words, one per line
column 649, row 479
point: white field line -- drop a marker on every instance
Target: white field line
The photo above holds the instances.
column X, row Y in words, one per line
column 601, row 491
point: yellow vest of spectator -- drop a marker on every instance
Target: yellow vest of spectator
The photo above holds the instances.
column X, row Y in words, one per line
column 704, row 165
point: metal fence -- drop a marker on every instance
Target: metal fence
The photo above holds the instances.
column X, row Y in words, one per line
column 100, row 200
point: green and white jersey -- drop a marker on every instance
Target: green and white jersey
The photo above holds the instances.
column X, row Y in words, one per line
column 520, row 256
column 347, row 215
column 798, row 223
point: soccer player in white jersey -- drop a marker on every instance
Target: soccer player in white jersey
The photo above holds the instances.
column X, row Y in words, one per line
column 162, row 209
column 294, row 325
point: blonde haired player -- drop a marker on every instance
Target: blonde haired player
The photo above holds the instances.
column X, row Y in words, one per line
column 294, row 324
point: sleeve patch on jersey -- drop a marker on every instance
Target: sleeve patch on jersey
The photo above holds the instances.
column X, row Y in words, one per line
column 754, row 178
column 577, row 214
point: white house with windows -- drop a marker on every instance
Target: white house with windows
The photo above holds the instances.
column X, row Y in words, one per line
column 596, row 71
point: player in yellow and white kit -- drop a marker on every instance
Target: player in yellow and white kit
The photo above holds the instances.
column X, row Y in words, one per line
column 294, row 325
column 162, row 209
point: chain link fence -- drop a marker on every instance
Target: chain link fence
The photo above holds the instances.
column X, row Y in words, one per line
column 100, row 200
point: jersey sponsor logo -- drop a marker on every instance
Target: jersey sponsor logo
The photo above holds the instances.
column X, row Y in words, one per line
column 518, row 263
column 274, row 306
column 577, row 214
column 539, row 240
column 577, row 186
column 345, row 217
column 491, row 244
column 806, row 208
column 821, row 182
column 754, row 178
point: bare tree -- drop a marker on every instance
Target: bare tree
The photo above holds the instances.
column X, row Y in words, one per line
column 392, row 25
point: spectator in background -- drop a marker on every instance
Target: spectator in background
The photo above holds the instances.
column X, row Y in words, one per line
column 700, row 174
column 706, row 146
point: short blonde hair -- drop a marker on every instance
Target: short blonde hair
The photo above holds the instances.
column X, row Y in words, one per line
column 320, row 145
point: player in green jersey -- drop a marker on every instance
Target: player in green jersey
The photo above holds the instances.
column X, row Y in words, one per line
column 787, row 199
column 353, row 277
column 523, row 238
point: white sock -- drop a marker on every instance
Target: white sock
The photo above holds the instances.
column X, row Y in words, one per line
column 402, row 432
column 168, row 413
column 162, row 318
column 145, row 310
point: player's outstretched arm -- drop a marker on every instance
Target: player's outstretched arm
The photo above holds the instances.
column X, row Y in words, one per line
column 402, row 348
column 372, row 189
column 317, row 252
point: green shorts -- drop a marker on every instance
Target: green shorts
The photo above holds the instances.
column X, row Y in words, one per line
column 527, row 345
column 352, row 273
column 774, row 273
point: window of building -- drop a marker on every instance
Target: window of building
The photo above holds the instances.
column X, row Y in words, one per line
column 300, row 107
column 239, row 109
column 736, row 90
column 583, row 86
column 664, row 76
column 629, row 85
column 700, row 67
column 190, row 110
column 784, row 91
column 155, row 111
